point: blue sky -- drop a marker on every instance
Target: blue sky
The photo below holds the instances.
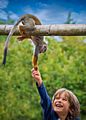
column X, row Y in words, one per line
column 48, row 11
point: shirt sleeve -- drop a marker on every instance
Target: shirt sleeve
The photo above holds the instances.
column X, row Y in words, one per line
column 45, row 99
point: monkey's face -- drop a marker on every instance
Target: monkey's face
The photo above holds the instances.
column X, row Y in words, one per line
column 42, row 48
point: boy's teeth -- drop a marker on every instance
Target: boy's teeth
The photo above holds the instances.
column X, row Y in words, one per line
column 58, row 105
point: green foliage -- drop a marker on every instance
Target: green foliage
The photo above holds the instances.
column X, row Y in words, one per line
column 63, row 65
column 2, row 22
column 8, row 21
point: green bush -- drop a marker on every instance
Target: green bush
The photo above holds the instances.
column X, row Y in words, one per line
column 63, row 65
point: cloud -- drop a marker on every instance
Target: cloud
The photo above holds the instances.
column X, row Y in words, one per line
column 41, row 14
column 80, row 17
column 3, row 15
column 29, row 10
column 50, row 14
column 42, row 5
column 3, row 4
column 13, row 15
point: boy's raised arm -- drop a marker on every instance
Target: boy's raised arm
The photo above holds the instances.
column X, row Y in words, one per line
column 45, row 99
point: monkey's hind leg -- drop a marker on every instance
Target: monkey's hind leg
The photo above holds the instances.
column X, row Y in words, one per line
column 23, row 33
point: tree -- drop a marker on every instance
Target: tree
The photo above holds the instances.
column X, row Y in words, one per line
column 70, row 19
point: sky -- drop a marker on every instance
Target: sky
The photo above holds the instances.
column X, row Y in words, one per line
column 48, row 11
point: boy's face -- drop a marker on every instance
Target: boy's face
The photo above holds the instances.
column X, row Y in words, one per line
column 61, row 104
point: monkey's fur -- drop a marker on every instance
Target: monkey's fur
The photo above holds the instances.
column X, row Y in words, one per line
column 28, row 22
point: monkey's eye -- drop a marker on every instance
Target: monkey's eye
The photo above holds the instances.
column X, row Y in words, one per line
column 43, row 49
column 23, row 23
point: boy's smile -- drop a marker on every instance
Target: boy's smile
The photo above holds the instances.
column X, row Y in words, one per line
column 58, row 105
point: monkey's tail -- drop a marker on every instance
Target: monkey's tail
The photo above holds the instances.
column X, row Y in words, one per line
column 34, row 62
column 5, row 54
column 6, row 44
column 35, row 58
column 8, row 39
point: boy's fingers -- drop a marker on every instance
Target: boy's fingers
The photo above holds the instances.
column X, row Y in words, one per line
column 35, row 76
column 34, row 73
column 32, row 70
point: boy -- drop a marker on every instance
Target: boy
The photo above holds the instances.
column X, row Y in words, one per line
column 64, row 104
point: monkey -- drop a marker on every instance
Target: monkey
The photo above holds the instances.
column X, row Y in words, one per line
column 28, row 22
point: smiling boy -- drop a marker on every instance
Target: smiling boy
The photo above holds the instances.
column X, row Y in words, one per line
column 64, row 104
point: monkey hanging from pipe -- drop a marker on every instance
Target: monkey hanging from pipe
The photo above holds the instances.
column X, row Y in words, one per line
column 28, row 22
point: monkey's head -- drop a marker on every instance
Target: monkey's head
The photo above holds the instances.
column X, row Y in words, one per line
column 42, row 48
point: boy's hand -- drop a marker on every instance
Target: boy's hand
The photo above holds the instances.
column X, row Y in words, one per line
column 36, row 75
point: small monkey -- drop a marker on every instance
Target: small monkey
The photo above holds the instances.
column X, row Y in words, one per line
column 28, row 22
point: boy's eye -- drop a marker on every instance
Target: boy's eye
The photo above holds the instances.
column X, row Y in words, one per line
column 56, row 97
column 65, row 99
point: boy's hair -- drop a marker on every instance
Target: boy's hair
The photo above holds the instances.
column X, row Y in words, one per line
column 73, row 101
